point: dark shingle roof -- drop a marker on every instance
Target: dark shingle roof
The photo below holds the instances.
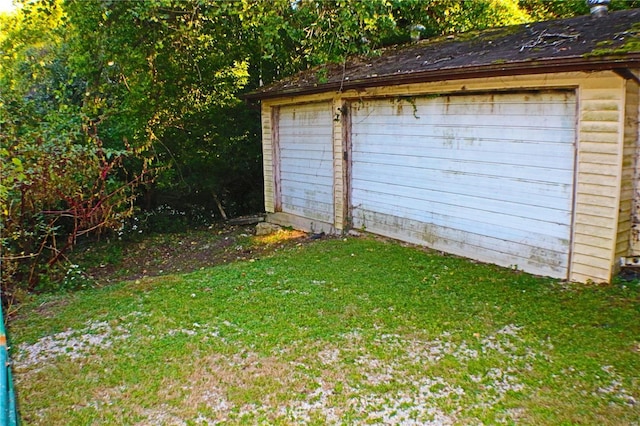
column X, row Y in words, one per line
column 575, row 44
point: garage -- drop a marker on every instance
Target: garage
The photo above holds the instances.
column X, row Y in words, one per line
column 306, row 161
column 477, row 146
column 488, row 176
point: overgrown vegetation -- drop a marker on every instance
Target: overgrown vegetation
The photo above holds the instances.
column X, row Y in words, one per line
column 334, row 331
column 110, row 110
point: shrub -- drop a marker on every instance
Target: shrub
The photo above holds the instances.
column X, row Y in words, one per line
column 56, row 188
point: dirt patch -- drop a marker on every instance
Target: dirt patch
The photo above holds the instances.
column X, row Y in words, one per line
column 49, row 309
column 163, row 254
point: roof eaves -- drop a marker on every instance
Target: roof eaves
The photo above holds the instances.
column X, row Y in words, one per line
column 541, row 66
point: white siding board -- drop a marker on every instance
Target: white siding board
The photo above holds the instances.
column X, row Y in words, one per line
column 599, row 126
column 594, row 189
column 423, row 198
column 421, row 117
column 598, row 147
column 301, row 172
column 595, row 104
column 534, row 259
column 594, row 251
column 625, row 239
column 599, row 168
column 469, row 167
column 595, row 209
column 457, row 148
column 600, row 115
column 602, row 158
column 594, row 241
column 267, row 155
column 607, row 139
column 598, row 179
column 305, row 141
column 490, row 175
column 598, row 201
column 546, row 195
column 501, row 225
column 447, row 139
column 601, row 263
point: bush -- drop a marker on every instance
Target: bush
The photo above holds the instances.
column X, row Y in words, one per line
column 55, row 189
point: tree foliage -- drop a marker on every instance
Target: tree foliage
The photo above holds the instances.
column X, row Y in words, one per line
column 58, row 181
column 540, row 10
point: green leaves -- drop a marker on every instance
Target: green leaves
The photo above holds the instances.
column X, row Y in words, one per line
column 16, row 162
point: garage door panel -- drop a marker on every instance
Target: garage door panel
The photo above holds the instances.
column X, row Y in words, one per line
column 518, row 143
column 494, row 222
column 489, row 175
column 302, row 147
column 297, row 200
column 305, row 140
column 474, row 204
column 320, row 193
column 475, row 237
column 539, row 132
column 547, row 194
column 309, row 165
column 524, row 173
column 533, row 258
column 301, row 170
column 544, row 104
column 468, row 111
column 309, row 209
column 304, row 114
column 307, row 126
column 498, row 158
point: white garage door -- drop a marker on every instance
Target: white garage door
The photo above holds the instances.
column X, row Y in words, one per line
column 305, row 137
column 486, row 176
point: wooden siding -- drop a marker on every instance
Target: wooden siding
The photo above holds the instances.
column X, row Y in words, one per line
column 340, row 127
column 596, row 240
column 631, row 170
column 598, row 178
column 306, row 161
column 488, row 176
column 267, row 158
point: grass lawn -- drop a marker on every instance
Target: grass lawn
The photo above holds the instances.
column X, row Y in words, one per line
column 336, row 331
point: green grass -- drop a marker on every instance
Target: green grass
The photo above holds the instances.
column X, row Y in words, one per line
column 354, row 331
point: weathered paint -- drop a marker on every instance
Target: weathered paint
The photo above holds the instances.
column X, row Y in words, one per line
column 267, row 158
column 304, row 146
column 631, row 170
column 603, row 103
column 340, row 182
column 490, row 174
column 600, row 123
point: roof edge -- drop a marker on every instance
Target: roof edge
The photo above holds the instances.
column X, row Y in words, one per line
column 542, row 66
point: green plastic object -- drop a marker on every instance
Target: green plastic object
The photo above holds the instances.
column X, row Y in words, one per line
column 8, row 408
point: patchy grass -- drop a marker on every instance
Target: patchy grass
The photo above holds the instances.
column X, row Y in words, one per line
column 161, row 254
column 354, row 331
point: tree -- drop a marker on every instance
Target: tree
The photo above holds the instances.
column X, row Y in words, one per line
column 167, row 73
column 292, row 36
column 542, row 10
column 58, row 182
